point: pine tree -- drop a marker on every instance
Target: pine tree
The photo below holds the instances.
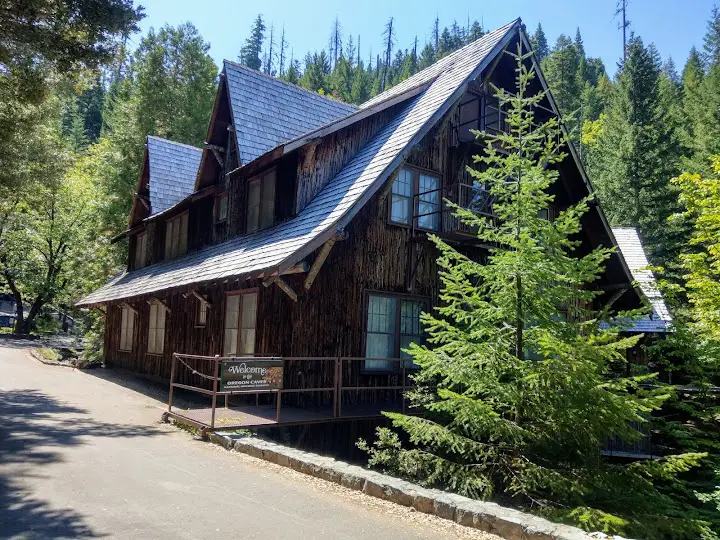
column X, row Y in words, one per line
column 561, row 68
column 637, row 154
column 270, row 56
column 335, row 43
column 427, row 57
column 692, row 77
column 361, row 85
column 389, row 38
column 293, row 72
column 513, row 384
column 250, row 52
column 579, row 46
column 711, row 45
column 539, row 43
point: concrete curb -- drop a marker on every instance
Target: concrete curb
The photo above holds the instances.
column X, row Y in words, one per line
column 57, row 363
column 487, row 516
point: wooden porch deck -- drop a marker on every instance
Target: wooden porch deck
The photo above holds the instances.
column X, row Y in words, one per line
column 260, row 416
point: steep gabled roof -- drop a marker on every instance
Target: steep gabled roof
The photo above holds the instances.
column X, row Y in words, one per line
column 267, row 111
column 280, row 247
column 173, row 168
column 632, row 250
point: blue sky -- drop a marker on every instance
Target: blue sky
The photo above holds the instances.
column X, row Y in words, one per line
column 672, row 25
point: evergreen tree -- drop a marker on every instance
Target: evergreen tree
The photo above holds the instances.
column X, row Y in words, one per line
column 579, row 46
column 335, row 43
column 293, row 72
column 561, row 71
column 692, row 77
column 389, row 38
column 316, row 66
column 514, row 382
column 711, row 46
column 539, row 43
column 250, row 52
column 361, row 85
column 427, row 57
column 637, row 154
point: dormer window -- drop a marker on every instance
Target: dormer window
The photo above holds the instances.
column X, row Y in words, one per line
column 176, row 236
column 140, row 250
column 260, row 202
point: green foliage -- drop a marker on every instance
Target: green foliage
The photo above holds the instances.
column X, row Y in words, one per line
column 638, row 152
column 520, row 384
column 250, row 51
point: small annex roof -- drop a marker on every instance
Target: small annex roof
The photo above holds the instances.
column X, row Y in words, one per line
column 268, row 112
column 628, row 241
column 277, row 249
column 173, row 169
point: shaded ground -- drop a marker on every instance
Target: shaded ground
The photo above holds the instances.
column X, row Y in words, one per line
column 84, row 457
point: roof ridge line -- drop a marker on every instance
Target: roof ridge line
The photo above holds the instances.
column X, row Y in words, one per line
column 177, row 143
column 289, row 84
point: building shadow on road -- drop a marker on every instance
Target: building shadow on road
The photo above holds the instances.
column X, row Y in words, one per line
column 34, row 426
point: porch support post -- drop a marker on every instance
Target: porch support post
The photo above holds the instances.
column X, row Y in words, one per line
column 214, row 394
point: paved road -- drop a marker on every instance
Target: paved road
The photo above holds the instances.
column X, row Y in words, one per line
column 82, row 456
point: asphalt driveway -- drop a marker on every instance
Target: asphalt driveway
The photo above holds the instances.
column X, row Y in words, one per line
column 82, row 456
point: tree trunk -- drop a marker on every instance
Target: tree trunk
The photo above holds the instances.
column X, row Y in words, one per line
column 34, row 310
column 19, row 313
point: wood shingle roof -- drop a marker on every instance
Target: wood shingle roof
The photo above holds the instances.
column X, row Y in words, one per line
column 282, row 246
column 173, row 169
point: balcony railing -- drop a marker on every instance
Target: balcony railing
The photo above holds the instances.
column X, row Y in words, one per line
column 432, row 214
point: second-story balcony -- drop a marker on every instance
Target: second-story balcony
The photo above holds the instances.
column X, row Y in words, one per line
column 431, row 213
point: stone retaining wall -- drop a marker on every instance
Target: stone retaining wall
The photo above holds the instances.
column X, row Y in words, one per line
column 487, row 516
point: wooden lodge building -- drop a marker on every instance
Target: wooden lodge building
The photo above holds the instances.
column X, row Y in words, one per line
column 300, row 230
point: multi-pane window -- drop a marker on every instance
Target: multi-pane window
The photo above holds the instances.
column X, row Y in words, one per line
column 221, row 207
column 402, row 197
column 127, row 327
column 480, row 113
column 156, row 329
column 415, row 195
column 240, row 323
column 260, row 203
column 176, row 236
column 428, row 202
column 140, row 250
column 393, row 323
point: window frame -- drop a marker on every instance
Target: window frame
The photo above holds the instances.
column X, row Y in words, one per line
column 169, row 255
column 261, row 197
column 219, row 218
column 158, row 306
column 127, row 316
column 399, row 297
column 201, row 314
column 415, row 199
column 240, row 292
column 140, row 240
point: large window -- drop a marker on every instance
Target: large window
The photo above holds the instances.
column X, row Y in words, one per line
column 240, row 322
column 140, row 250
column 480, row 113
column 221, row 207
column 416, row 196
column 156, row 329
column 176, row 236
column 260, row 203
column 127, row 327
column 393, row 323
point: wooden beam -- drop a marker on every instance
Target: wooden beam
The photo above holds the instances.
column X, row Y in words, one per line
column 155, row 300
column 616, row 296
column 126, row 305
column 203, row 299
column 145, row 203
column 320, row 260
column 299, row 268
column 218, row 157
column 287, row 289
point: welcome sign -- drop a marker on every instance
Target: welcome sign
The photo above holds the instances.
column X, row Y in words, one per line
column 255, row 374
